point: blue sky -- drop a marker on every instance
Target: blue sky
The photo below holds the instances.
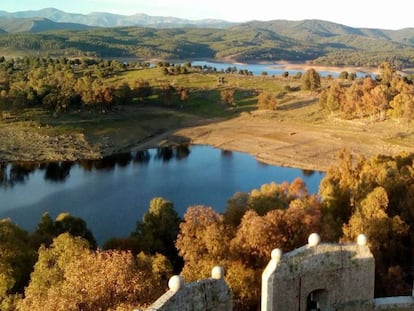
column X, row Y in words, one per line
column 395, row 14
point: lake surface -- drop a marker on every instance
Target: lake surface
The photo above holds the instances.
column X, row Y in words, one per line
column 271, row 69
column 113, row 193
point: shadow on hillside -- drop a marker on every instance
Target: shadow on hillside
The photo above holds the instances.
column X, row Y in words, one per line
column 297, row 104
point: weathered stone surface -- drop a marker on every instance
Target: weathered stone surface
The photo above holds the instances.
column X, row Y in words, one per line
column 326, row 277
column 394, row 303
column 331, row 275
column 209, row 294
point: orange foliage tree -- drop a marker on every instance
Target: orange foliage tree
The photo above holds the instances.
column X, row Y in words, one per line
column 69, row 276
column 274, row 216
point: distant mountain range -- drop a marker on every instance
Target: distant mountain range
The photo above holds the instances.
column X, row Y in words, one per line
column 101, row 19
column 142, row 36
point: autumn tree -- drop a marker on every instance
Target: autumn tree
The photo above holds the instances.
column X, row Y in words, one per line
column 266, row 100
column 386, row 72
column 241, row 241
column 49, row 271
column 184, row 95
column 337, row 190
column 286, row 228
column 375, row 195
column 202, row 241
column 311, row 80
column 385, row 234
column 332, row 98
column 376, row 101
column 351, row 106
column 402, row 105
column 227, row 96
column 69, row 276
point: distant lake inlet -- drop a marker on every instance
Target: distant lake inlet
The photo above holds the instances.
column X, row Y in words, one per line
column 270, row 69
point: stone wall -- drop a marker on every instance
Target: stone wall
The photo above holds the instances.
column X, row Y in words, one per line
column 211, row 294
column 404, row 303
column 325, row 277
column 317, row 276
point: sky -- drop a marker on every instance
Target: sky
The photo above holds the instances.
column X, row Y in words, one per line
column 395, row 14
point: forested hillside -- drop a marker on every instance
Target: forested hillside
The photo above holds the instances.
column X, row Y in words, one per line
column 308, row 40
column 36, row 24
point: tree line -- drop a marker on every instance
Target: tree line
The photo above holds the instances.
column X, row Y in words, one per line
column 388, row 95
column 61, row 84
column 58, row 264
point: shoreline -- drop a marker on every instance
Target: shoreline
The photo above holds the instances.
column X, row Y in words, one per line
column 270, row 137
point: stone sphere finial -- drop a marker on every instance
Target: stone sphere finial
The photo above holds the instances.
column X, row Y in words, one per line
column 175, row 283
column 277, row 254
column 314, row 239
column 362, row 240
column 217, row 272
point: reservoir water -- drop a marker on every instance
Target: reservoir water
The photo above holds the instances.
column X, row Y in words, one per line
column 113, row 193
column 270, row 69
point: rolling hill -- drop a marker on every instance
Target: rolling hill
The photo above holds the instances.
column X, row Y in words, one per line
column 307, row 40
column 36, row 24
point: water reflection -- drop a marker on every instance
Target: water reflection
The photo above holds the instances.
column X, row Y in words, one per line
column 308, row 173
column 57, row 171
column 177, row 152
column 226, row 153
column 18, row 173
column 111, row 201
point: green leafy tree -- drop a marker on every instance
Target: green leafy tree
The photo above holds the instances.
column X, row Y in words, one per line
column 16, row 261
column 236, row 207
column 141, row 89
column 166, row 94
column 47, row 229
column 158, row 230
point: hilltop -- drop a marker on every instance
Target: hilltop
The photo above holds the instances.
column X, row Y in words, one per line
column 104, row 19
column 35, row 24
